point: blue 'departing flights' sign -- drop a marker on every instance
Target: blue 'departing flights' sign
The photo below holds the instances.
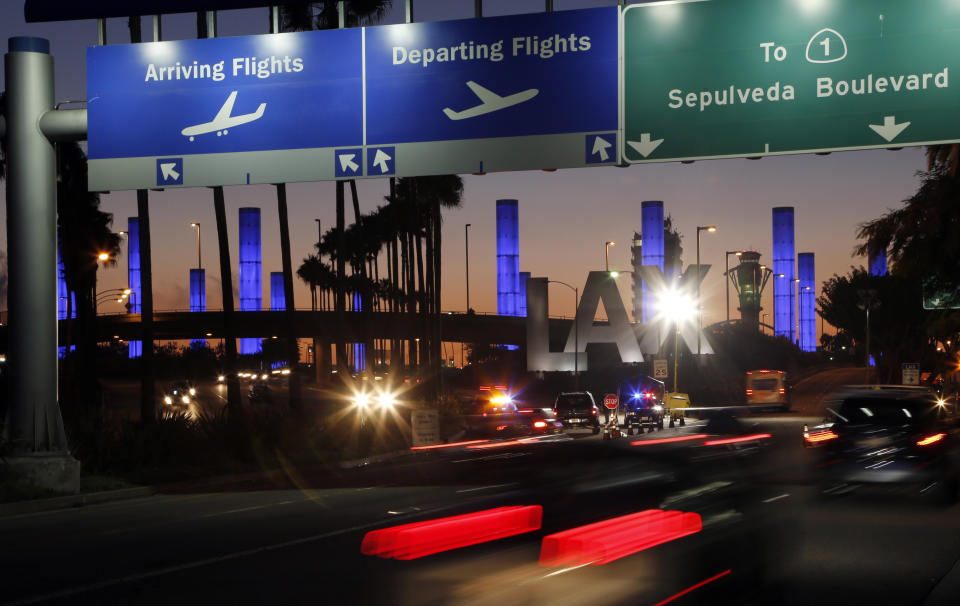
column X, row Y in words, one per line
column 251, row 93
column 535, row 74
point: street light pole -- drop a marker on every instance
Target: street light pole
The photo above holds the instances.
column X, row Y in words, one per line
column 606, row 253
column 466, row 258
column 576, row 333
column 197, row 225
column 709, row 228
column 726, row 261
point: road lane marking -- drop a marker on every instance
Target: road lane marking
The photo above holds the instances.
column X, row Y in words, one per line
column 486, row 487
column 776, row 498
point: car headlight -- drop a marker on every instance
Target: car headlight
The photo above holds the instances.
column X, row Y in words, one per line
column 221, row 378
column 361, row 400
column 185, row 399
column 264, row 377
column 167, row 400
column 386, row 400
column 193, row 391
column 657, row 407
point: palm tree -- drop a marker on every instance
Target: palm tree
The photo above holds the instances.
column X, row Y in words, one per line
column 324, row 15
column 83, row 232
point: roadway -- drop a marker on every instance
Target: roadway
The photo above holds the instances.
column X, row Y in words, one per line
column 260, row 540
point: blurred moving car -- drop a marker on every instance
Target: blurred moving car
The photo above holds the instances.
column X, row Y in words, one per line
column 643, row 405
column 180, row 394
column 260, row 393
column 577, row 409
column 768, row 389
column 887, row 436
column 497, row 415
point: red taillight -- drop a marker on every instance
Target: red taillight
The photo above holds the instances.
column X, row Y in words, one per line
column 595, row 411
column 783, row 390
column 539, row 424
column 750, row 438
column 420, row 539
column 927, row 441
column 501, row 427
column 609, row 540
column 819, row 436
column 648, row 395
column 484, row 388
column 749, row 392
column 526, row 410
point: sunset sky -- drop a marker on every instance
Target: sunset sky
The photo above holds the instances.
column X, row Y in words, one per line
column 565, row 216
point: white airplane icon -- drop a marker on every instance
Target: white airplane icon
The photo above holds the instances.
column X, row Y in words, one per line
column 491, row 102
column 223, row 120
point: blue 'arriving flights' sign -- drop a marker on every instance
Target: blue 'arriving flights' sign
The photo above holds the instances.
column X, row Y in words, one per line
column 251, row 93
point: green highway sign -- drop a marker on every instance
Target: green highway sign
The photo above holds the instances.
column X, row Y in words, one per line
column 732, row 78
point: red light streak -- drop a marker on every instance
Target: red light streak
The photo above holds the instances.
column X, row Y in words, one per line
column 696, row 436
column 820, row 436
column 750, row 438
column 609, row 540
column 931, row 439
column 497, row 444
column 450, row 445
column 419, row 539
column 693, row 587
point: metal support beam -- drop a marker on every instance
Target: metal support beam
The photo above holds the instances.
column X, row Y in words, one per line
column 274, row 19
column 101, row 32
column 549, row 6
column 64, row 124
column 341, row 15
column 408, row 10
column 477, row 8
column 33, row 423
column 211, row 24
column 157, row 29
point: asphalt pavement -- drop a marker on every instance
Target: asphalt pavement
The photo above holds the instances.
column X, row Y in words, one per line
column 766, row 532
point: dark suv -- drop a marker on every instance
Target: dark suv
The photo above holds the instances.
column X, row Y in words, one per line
column 577, row 409
column 887, row 436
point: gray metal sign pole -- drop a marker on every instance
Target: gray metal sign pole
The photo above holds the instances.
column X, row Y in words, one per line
column 33, row 419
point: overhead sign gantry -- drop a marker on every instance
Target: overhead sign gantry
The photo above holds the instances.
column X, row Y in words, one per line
column 471, row 96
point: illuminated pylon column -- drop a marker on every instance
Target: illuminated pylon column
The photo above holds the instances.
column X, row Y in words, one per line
column 134, row 348
column 877, row 261
column 251, row 288
column 784, row 251
column 808, row 296
column 508, row 258
column 198, row 299
column 651, row 253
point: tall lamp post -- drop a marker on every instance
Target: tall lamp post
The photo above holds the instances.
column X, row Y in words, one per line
column 576, row 332
column 197, row 225
column 466, row 259
column 606, row 253
column 709, row 228
column 726, row 261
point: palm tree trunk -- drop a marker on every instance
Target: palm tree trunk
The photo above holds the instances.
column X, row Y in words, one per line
column 293, row 348
column 234, row 405
column 340, row 298
column 148, row 412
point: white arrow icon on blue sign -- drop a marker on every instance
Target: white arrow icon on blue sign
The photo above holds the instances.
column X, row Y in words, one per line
column 347, row 164
column 168, row 171
column 380, row 160
column 600, row 146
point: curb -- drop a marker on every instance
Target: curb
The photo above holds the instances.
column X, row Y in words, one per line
column 75, row 500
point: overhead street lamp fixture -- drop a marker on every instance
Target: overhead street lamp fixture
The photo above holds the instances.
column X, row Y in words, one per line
column 102, row 257
column 197, row 225
column 606, row 253
column 700, row 228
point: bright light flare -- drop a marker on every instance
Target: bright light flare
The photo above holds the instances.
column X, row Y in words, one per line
column 185, row 399
column 419, row 539
column 609, row 540
column 675, row 305
column 167, row 400
column 193, row 391
column 103, row 256
column 386, row 400
column 361, row 400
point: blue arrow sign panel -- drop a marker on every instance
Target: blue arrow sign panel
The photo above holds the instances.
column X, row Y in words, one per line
column 536, row 74
column 381, row 161
column 169, row 171
column 251, row 93
column 349, row 162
